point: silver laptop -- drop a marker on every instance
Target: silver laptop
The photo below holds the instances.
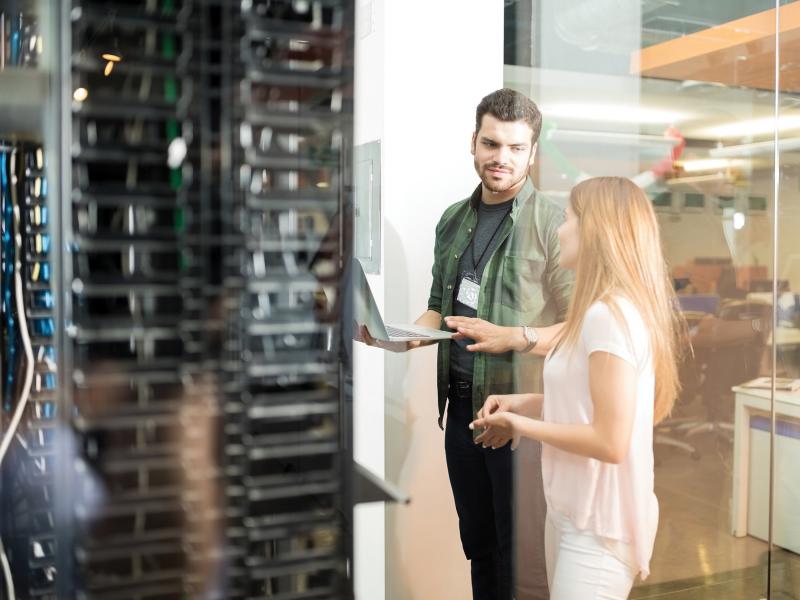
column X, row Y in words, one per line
column 365, row 312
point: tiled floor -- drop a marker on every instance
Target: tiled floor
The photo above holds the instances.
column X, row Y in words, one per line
column 696, row 557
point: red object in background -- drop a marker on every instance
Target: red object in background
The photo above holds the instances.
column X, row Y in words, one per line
column 664, row 165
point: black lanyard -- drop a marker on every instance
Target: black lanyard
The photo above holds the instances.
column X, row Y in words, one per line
column 475, row 263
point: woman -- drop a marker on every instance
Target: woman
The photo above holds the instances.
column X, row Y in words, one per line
column 610, row 375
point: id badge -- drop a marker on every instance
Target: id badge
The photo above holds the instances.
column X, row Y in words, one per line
column 468, row 291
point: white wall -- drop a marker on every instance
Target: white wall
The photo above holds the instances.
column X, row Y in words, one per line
column 441, row 59
column 368, row 404
column 421, row 69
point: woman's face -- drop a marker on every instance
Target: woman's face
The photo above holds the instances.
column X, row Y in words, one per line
column 569, row 239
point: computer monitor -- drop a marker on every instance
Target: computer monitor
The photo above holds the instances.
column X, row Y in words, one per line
column 705, row 303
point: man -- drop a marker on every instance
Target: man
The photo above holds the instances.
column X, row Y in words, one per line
column 495, row 260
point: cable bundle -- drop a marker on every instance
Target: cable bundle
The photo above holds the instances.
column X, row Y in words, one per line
column 29, row 369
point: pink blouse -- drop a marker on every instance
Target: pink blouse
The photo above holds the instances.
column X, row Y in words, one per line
column 614, row 501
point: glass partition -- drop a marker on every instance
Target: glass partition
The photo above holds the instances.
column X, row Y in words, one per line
column 697, row 103
column 681, row 97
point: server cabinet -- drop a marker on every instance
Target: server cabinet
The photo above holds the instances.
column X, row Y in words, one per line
column 175, row 226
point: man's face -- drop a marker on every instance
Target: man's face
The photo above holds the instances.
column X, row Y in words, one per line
column 503, row 153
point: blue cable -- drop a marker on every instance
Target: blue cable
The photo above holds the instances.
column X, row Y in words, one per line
column 44, row 327
column 49, row 410
column 49, row 381
column 8, row 308
column 15, row 42
column 42, row 299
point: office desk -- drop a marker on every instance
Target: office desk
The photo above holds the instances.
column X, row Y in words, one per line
column 786, row 336
column 756, row 402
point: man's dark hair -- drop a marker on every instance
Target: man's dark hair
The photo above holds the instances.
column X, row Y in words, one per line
column 509, row 105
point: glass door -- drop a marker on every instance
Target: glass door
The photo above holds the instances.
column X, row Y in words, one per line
column 682, row 98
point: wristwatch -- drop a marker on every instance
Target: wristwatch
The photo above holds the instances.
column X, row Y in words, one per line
column 531, row 337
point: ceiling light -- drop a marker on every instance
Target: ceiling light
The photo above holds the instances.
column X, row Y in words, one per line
column 611, row 113
column 610, row 137
column 111, row 58
column 649, row 145
column 756, row 148
column 752, row 127
column 80, row 94
column 693, row 83
column 710, row 164
column 697, row 179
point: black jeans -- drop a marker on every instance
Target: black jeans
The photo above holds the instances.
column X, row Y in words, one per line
column 482, row 482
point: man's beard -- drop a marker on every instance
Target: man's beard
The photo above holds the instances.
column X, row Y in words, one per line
column 496, row 187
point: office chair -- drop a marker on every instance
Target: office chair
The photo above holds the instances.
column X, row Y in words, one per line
column 669, row 432
column 734, row 358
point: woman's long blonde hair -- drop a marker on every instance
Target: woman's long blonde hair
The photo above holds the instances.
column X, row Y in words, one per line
column 620, row 254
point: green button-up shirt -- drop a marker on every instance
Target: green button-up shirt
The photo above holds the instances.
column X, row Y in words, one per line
column 522, row 284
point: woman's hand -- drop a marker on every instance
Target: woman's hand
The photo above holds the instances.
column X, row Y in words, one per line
column 499, row 428
column 488, row 337
column 500, row 402
column 529, row 405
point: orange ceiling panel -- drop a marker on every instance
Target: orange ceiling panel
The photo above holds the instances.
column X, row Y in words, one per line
column 738, row 53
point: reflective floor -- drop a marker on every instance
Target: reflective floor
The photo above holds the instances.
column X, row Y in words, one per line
column 695, row 556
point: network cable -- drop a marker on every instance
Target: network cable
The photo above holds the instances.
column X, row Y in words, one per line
column 19, row 410
column 7, row 242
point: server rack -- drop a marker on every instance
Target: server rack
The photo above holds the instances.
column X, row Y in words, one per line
column 133, row 277
column 187, row 433
column 291, row 139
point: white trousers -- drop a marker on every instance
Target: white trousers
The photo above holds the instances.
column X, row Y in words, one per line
column 580, row 566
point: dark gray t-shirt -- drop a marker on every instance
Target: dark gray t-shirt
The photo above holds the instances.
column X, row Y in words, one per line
column 484, row 242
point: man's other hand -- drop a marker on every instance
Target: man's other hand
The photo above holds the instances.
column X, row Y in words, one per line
column 490, row 338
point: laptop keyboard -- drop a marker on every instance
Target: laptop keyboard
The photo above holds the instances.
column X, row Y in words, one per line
column 395, row 332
